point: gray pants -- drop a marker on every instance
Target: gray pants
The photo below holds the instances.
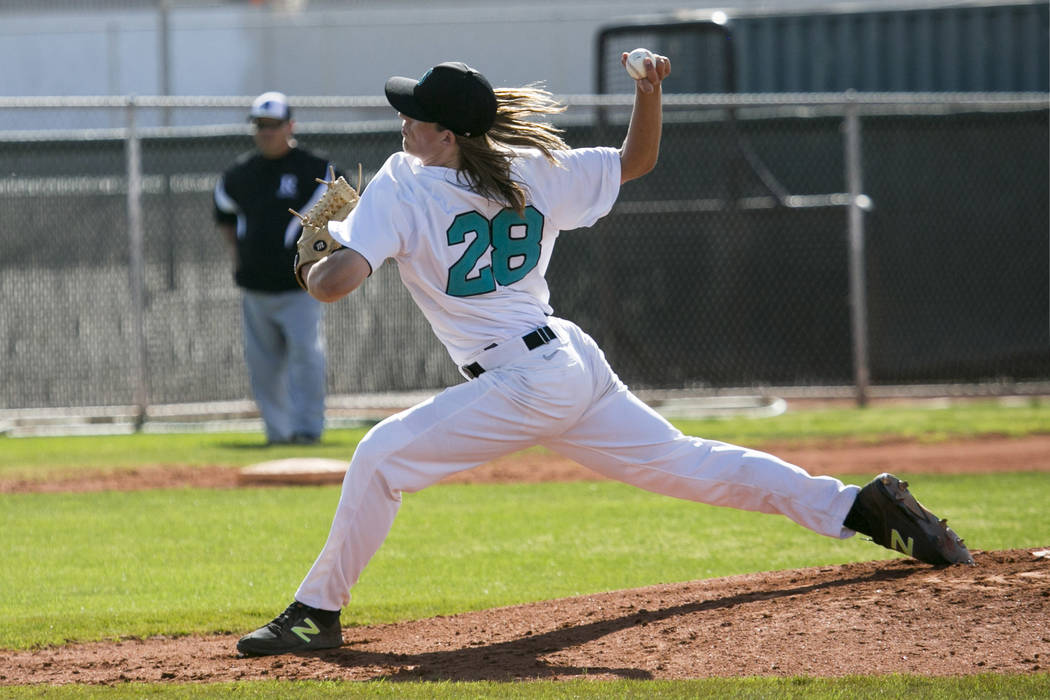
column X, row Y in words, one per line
column 284, row 348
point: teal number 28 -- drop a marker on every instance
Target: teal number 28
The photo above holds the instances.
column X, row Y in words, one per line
column 515, row 243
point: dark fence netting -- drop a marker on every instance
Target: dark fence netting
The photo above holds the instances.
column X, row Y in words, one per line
column 725, row 267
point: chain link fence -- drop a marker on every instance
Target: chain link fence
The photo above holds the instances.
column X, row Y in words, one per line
column 760, row 253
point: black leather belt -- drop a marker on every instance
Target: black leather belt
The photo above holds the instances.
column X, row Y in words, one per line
column 540, row 336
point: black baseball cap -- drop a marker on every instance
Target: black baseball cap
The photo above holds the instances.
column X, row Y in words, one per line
column 452, row 94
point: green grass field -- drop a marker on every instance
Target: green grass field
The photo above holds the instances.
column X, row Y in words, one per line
column 198, row 561
column 111, row 565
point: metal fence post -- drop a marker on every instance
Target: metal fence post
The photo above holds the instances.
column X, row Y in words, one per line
column 136, row 270
column 858, row 203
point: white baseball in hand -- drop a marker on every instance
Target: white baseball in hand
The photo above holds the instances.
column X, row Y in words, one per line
column 636, row 63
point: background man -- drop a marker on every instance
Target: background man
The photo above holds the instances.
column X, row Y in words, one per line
column 283, row 325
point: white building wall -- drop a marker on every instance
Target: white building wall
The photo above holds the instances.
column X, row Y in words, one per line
column 244, row 50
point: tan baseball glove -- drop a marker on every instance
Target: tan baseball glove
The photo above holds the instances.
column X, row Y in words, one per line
column 336, row 204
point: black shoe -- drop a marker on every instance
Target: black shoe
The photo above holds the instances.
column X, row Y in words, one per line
column 890, row 515
column 305, row 439
column 298, row 628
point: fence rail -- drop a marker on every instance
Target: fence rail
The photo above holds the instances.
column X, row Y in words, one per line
column 799, row 240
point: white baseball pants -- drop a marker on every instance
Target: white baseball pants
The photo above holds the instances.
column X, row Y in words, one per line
column 562, row 395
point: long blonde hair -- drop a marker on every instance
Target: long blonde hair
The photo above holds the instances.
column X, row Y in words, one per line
column 485, row 160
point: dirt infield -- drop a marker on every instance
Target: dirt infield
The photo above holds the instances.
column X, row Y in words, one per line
column 894, row 616
column 869, row 618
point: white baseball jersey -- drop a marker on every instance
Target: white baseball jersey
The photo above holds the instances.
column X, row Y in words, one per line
column 474, row 268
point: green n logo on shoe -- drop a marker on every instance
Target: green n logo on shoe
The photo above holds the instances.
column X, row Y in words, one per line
column 302, row 632
column 897, row 542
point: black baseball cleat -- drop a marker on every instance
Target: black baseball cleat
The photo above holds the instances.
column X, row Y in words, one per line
column 890, row 515
column 298, row 628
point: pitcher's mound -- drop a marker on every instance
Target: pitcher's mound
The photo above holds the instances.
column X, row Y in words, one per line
column 297, row 470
